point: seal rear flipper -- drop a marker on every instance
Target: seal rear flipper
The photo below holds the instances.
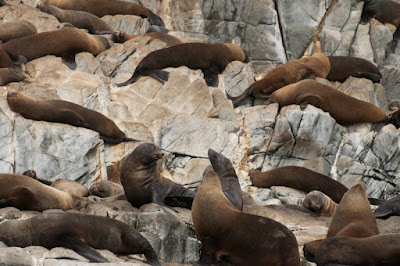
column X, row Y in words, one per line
column 375, row 201
column 160, row 75
column 136, row 75
column 155, row 20
column 382, row 214
column 305, row 99
column 179, row 201
column 82, row 249
column 371, row 76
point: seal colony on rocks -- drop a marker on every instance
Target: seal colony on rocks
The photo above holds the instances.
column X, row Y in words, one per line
column 211, row 58
column 67, row 113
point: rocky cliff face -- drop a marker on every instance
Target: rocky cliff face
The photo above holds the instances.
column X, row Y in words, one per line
column 185, row 117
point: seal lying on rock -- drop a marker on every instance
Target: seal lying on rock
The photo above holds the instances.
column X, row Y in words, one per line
column 170, row 40
column 319, row 203
column 16, row 29
column 106, row 188
column 79, row 232
column 71, row 187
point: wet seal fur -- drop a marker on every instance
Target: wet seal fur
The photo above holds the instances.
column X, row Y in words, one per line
column 306, row 67
column 71, row 186
column 67, row 113
column 388, row 208
column 121, row 37
column 101, row 8
column 343, row 108
column 79, row 232
column 79, row 19
column 210, row 58
column 106, row 188
column 16, row 29
column 143, row 183
column 234, row 237
column 25, row 193
column 319, row 203
column 343, row 67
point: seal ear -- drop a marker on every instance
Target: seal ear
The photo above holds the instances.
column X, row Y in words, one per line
column 305, row 99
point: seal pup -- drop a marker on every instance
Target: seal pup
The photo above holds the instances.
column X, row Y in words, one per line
column 211, row 58
column 101, row 8
column 388, row 208
column 8, row 75
column 79, row 19
column 306, row 67
column 227, row 175
column 80, row 232
column 121, row 37
column 231, row 236
column 71, row 186
column 106, row 188
column 67, row 113
column 343, row 67
column 143, row 183
column 346, row 110
column 319, row 203
column 16, row 29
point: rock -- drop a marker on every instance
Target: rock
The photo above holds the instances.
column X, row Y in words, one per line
column 10, row 213
column 288, row 195
column 391, row 81
column 15, row 256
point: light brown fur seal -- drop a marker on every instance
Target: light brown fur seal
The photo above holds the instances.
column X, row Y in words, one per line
column 306, row 67
column 62, row 42
column 67, row 113
column 210, row 58
column 106, row 188
column 79, row 232
column 71, row 187
column 121, row 37
column 343, row 108
column 16, row 29
column 319, row 203
column 79, row 19
column 108, row 7
column 231, row 236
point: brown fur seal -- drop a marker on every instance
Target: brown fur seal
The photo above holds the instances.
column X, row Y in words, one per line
column 8, row 75
column 121, row 37
column 79, row 232
column 299, row 178
column 26, row 193
column 60, row 43
column 79, row 19
column 71, row 187
column 16, row 29
column 343, row 67
column 5, row 60
column 388, row 208
column 313, row 66
column 105, row 188
column 142, row 181
column 67, row 113
column 234, row 237
column 108, row 7
column 319, row 203
column 210, row 58
column 227, row 175
column 342, row 107
column 30, row 173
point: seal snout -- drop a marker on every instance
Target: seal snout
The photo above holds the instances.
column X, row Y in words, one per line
column 158, row 154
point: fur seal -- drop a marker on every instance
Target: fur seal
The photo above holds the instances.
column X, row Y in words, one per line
column 388, row 208
column 80, row 232
column 306, row 67
column 26, row 193
column 105, row 188
column 211, row 58
column 142, row 181
column 16, row 29
column 62, row 42
column 394, row 105
column 71, row 187
column 30, row 173
column 101, row 8
column 343, row 67
column 5, row 60
column 319, row 203
column 79, row 19
column 8, row 75
column 121, row 37
column 227, row 175
column 67, row 113
column 394, row 118
column 234, row 237
column 343, row 108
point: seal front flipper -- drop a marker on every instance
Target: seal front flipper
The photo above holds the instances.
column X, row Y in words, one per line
column 371, row 76
column 305, row 99
column 211, row 77
column 81, row 248
column 155, row 20
column 179, row 201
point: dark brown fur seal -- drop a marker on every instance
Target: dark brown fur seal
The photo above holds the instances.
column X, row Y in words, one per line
column 105, row 189
column 26, row 193
column 121, row 37
column 142, row 181
column 343, row 67
column 299, row 178
column 210, row 58
column 343, row 108
column 319, row 203
column 79, row 19
column 8, row 75
column 16, row 29
column 108, row 7
column 30, row 173
column 388, row 208
column 71, row 187
column 236, row 238
column 227, row 175
column 79, row 232
column 67, row 113
column 62, row 42
column 306, row 67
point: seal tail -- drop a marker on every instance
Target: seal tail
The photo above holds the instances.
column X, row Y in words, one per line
column 136, row 75
column 126, row 139
column 155, row 20
column 160, row 75
column 237, row 99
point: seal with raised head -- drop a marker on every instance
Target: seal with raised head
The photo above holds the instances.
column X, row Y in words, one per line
column 108, row 7
column 388, row 208
column 211, row 58
column 306, row 67
column 26, row 193
column 79, row 19
column 31, row 173
column 343, row 108
column 80, row 232
column 16, row 29
column 106, row 188
column 121, row 37
column 64, row 42
column 8, row 75
column 234, row 237
column 143, row 183
column 66, row 112
column 343, row 67
column 227, row 175
column 71, row 186
column 319, row 203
